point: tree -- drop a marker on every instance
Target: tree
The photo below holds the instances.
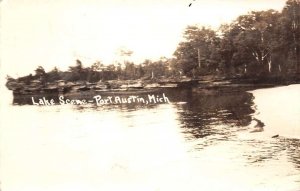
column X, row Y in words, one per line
column 249, row 44
column 40, row 71
column 53, row 75
column 97, row 66
column 227, row 50
column 77, row 68
column 194, row 54
column 78, row 71
column 129, row 70
column 290, row 31
column 256, row 38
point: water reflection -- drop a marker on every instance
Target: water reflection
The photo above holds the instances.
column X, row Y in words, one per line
column 200, row 140
column 293, row 150
column 207, row 110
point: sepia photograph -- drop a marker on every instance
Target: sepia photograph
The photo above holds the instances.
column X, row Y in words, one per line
column 153, row 95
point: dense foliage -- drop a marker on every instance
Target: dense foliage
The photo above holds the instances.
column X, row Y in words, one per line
column 262, row 43
column 258, row 44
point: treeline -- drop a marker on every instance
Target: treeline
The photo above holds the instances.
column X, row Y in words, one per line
column 99, row 72
column 258, row 44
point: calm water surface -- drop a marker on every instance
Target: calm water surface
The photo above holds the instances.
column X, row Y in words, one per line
column 200, row 141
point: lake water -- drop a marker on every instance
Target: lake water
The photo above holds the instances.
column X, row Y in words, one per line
column 200, row 141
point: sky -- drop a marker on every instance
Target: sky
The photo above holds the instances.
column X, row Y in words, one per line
column 56, row 33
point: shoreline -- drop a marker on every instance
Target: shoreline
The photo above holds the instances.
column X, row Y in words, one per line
column 206, row 88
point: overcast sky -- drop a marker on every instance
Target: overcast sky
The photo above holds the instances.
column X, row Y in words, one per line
column 55, row 33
